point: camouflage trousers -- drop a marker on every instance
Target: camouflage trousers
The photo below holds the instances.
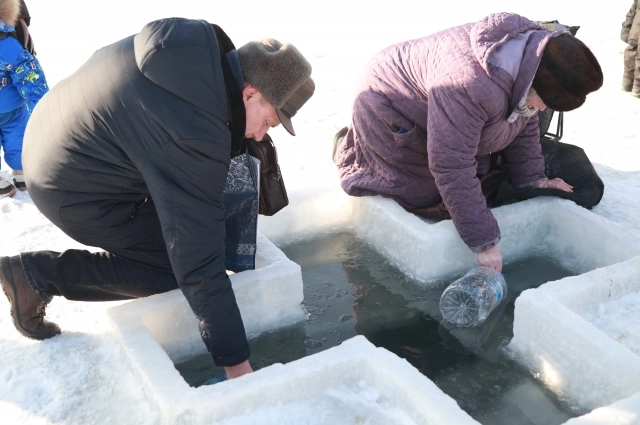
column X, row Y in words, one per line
column 631, row 77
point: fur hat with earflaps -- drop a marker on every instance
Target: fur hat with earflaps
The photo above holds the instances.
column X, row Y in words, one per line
column 280, row 73
column 9, row 12
column 567, row 73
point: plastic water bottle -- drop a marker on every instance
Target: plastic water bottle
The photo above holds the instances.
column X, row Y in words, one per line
column 468, row 301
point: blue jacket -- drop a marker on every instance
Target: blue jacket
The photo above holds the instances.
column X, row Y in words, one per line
column 22, row 79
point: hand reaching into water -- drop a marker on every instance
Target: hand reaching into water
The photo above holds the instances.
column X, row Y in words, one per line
column 555, row 184
column 490, row 258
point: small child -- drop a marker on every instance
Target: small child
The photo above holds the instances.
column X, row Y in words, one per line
column 22, row 85
column 629, row 34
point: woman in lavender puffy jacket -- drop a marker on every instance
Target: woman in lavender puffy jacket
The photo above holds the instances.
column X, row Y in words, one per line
column 429, row 112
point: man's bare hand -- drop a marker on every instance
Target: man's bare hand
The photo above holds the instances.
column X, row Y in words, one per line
column 490, row 258
column 238, row 370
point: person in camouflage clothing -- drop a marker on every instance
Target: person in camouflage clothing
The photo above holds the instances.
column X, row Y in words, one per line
column 629, row 34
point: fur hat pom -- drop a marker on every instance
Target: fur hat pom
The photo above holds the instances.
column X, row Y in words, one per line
column 9, row 11
column 277, row 70
column 567, row 73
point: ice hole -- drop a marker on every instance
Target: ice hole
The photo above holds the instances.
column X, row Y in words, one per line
column 350, row 289
column 159, row 332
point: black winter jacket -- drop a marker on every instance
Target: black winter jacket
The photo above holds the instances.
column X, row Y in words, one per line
column 150, row 115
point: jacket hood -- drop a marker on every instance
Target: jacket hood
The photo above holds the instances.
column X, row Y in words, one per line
column 183, row 57
column 509, row 48
column 9, row 11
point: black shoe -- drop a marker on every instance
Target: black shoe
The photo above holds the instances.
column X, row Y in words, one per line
column 27, row 308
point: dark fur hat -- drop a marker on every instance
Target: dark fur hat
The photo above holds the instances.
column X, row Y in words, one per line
column 568, row 72
column 9, row 11
column 280, row 73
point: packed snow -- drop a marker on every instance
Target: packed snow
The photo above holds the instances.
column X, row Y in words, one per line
column 619, row 320
column 555, row 338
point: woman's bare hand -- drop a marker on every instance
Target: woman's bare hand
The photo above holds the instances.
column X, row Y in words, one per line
column 555, row 184
column 490, row 258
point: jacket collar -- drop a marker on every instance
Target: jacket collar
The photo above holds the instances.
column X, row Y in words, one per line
column 238, row 121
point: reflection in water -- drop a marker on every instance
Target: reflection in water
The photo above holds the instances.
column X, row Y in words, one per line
column 350, row 289
column 469, row 340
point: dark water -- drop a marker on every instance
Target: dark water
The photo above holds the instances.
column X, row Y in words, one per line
column 351, row 290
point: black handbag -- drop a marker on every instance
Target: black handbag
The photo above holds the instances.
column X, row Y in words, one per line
column 273, row 194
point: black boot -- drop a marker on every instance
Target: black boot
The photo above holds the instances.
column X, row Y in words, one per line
column 27, row 308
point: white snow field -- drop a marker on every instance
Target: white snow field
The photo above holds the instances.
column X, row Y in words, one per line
column 113, row 363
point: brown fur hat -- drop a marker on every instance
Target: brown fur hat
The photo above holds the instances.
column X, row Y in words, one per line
column 9, row 11
column 277, row 74
column 568, row 72
column 280, row 73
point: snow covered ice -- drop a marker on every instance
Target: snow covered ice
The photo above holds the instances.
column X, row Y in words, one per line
column 617, row 319
column 554, row 332
column 575, row 333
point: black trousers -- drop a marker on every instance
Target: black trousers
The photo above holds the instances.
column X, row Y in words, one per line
column 135, row 262
column 561, row 160
column 565, row 161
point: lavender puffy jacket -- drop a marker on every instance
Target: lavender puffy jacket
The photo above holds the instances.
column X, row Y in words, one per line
column 453, row 93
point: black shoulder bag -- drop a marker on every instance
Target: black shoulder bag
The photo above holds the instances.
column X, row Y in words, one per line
column 273, row 194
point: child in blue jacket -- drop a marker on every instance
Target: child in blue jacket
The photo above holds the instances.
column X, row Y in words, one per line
column 22, row 85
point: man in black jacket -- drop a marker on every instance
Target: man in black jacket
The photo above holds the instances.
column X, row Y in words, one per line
column 131, row 153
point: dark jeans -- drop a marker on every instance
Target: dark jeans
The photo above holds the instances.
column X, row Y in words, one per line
column 120, row 273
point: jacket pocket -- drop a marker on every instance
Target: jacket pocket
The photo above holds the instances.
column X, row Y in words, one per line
column 404, row 131
column 414, row 139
